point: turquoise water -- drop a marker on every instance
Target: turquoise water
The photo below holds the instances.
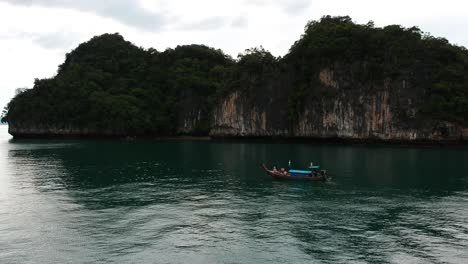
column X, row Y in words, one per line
column 148, row 201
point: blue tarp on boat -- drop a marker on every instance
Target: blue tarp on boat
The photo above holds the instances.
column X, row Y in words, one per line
column 300, row 172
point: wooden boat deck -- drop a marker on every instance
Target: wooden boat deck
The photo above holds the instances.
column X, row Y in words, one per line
column 288, row 176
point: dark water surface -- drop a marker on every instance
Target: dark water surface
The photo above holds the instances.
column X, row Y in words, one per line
column 208, row 202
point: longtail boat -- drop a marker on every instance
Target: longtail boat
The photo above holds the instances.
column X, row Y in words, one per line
column 313, row 174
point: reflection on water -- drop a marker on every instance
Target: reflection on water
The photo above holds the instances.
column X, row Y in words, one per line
column 198, row 202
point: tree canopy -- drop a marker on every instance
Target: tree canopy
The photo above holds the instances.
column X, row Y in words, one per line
column 440, row 68
column 108, row 83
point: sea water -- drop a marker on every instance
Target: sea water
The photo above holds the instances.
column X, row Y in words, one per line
column 180, row 201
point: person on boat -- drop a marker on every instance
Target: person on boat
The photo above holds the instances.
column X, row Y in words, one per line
column 274, row 169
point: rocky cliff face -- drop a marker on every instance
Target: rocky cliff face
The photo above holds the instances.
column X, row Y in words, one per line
column 340, row 80
column 337, row 108
column 33, row 130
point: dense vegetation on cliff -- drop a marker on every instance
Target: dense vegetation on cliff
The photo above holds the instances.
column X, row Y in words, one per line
column 374, row 54
column 108, row 83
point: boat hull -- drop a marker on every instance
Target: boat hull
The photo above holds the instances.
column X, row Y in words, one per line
column 279, row 176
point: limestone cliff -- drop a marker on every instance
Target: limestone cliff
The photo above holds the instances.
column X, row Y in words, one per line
column 338, row 108
column 347, row 110
column 339, row 80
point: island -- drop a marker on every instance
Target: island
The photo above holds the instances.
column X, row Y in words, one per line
column 340, row 80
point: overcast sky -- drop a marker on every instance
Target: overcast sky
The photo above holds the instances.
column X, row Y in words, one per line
column 36, row 34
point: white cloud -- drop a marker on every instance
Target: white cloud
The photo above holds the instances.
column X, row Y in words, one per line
column 240, row 22
column 292, row 7
column 128, row 12
column 211, row 23
column 47, row 40
column 36, row 34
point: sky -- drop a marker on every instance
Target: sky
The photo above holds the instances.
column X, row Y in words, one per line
column 35, row 35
